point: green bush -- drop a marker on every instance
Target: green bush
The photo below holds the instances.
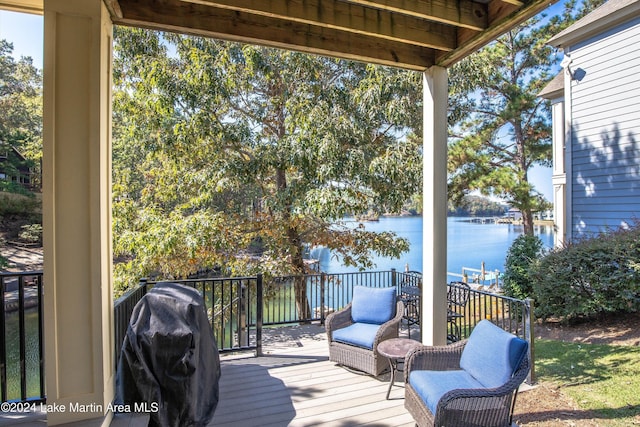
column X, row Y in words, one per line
column 13, row 188
column 589, row 277
column 12, row 204
column 31, row 233
column 523, row 252
column 4, row 263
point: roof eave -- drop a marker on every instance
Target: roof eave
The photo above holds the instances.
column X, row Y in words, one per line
column 578, row 32
column 555, row 88
column 495, row 31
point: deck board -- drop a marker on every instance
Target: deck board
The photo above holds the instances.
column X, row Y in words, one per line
column 294, row 384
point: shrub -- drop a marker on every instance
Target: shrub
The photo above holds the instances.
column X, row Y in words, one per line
column 4, row 263
column 589, row 277
column 12, row 204
column 523, row 252
column 31, row 233
column 17, row 210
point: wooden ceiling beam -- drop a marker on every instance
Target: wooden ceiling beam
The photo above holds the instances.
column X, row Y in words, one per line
column 23, row 6
column 412, row 34
column 113, row 6
column 226, row 24
column 346, row 16
column 460, row 13
column 503, row 16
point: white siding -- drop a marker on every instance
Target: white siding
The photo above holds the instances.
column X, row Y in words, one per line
column 605, row 110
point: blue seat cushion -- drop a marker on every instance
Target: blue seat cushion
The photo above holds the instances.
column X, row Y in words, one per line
column 373, row 305
column 432, row 385
column 492, row 355
column 358, row 334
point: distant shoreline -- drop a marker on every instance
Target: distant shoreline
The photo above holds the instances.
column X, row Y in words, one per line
column 499, row 219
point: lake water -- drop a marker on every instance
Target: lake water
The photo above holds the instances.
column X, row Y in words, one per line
column 469, row 245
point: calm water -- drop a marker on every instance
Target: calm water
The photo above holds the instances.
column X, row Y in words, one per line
column 32, row 359
column 469, row 244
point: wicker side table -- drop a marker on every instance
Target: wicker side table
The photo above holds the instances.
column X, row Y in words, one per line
column 395, row 350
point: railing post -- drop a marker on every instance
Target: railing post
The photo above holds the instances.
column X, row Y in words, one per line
column 529, row 317
column 23, row 339
column 3, row 344
column 394, row 279
column 323, row 278
column 41, row 335
column 259, row 310
column 242, row 321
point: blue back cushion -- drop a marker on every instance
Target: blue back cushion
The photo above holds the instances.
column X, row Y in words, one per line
column 373, row 305
column 492, row 355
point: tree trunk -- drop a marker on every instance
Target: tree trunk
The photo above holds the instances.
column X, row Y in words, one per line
column 527, row 222
column 297, row 261
column 300, row 283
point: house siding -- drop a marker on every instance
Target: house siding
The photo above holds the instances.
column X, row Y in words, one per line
column 605, row 131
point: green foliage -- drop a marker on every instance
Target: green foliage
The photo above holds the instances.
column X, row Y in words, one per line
column 13, row 187
column 4, row 262
column 476, row 206
column 17, row 205
column 16, row 211
column 524, row 251
column 31, row 233
column 505, row 129
column 20, row 128
column 220, row 146
column 589, row 277
column 499, row 127
column 601, row 379
column 21, row 105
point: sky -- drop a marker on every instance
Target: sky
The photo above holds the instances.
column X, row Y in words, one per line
column 26, row 32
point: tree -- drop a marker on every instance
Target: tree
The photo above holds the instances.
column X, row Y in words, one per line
column 500, row 128
column 507, row 130
column 476, row 206
column 524, row 251
column 20, row 128
column 240, row 156
column 21, row 106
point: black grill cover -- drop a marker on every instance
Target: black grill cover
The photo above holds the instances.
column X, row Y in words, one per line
column 169, row 365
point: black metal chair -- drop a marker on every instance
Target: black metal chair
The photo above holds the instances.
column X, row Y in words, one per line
column 457, row 298
column 410, row 294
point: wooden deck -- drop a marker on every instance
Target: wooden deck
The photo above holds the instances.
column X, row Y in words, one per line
column 294, row 384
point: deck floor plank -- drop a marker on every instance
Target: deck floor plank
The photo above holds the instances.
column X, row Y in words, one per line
column 294, row 384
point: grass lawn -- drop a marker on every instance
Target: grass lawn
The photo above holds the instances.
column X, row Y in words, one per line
column 600, row 378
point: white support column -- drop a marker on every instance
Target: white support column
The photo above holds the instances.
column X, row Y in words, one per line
column 434, row 217
column 77, row 211
column 568, row 150
column 559, row 177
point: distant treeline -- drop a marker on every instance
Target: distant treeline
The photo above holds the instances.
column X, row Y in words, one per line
column 470, row 206
column 477, row 206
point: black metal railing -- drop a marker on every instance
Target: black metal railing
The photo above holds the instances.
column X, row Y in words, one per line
column 122, row 310
column 311, row 297
column 238, row 308
column 234, row 308
column 22, row 337
column 513, row 315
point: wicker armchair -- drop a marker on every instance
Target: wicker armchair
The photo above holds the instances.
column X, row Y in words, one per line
column 354, row 332
column 473, row 382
